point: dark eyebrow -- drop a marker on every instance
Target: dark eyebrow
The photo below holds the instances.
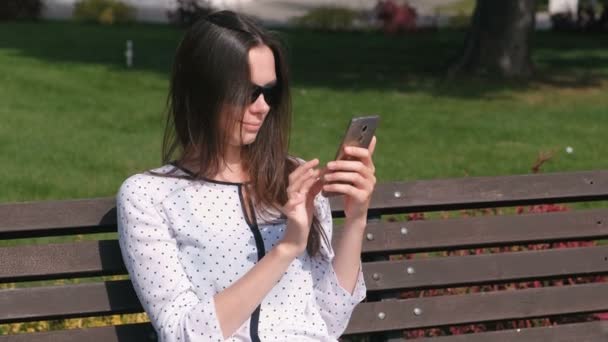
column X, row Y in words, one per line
column 270, row 84
column 267, row 85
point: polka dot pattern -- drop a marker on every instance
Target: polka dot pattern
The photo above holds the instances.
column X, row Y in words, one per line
column 184, row 240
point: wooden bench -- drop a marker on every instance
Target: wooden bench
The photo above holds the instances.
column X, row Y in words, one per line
column 383, row 316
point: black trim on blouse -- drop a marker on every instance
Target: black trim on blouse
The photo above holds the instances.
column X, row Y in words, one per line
column 259, row 244
column 253, row 226
column 193, row 175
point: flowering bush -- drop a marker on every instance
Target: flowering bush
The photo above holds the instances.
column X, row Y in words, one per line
column 396, row 17
column 103, row 11
column 328, row 18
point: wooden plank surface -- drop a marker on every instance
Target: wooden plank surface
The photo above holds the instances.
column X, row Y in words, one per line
column 95, row 258
column 65, row 217
column 68, row 301
column 61, row 260
column 118, row 333
column 478, row 307
column 580, row 332
column 29, row 304
column 471, row 232
column 486, row 192
column 486, row 268
column 99, row 214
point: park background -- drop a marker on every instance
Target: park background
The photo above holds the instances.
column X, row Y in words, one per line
column 77, row 120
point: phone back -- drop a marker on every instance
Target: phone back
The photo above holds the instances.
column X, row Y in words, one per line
column 359, row 133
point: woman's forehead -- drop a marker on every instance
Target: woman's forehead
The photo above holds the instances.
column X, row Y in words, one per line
column 262, row 65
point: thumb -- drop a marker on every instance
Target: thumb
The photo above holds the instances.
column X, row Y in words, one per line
column 372, row 145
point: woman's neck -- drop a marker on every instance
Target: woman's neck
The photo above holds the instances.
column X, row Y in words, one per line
column 230, row 168
column 232, row 173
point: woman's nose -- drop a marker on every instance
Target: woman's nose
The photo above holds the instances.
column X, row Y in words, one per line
column 260, row 104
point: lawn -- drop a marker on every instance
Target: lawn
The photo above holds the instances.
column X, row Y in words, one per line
column 76, row 122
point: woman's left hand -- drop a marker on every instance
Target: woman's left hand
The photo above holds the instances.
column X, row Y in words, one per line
column 360, row 172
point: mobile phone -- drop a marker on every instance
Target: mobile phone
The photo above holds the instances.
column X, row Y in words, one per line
column 359, row 132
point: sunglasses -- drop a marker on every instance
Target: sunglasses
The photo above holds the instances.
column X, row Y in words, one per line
column 271, row 93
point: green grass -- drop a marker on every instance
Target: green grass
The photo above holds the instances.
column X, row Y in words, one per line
column 76, row 122
column 462, row 7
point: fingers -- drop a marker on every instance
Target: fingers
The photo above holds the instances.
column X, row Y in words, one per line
column 303, row 168
column 299, row 184
column 303, row 179
column 308, row 183
column 350, row 165
column 315, row 188
column 354, row 178
column 357, row 152
column 308, row 188
column 349, row 190
column 372, row 146
column 362, row 154
column 301, row 173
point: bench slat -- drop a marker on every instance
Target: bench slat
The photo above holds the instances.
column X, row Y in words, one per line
column 486, row 192
column 478, row 307
column 117, row 333
column 29, row 219
column 68, row 301
column 95, row 258
column 64, row 217
column 117, row 297
column 61, row 260
column 455, row 233
column 580, row 332
column 485, row 268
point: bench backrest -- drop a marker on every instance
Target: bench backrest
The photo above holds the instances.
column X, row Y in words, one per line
column 415, row 257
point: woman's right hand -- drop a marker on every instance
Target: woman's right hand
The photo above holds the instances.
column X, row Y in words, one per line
column 304, row 185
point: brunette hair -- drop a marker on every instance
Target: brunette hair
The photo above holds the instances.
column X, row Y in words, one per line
column 210, row 79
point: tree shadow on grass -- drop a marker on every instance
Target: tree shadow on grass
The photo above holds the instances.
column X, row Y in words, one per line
column 418, row 63
column 69, row 42
column 338, row 60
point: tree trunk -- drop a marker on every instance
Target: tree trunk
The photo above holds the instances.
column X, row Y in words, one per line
column 498, row 42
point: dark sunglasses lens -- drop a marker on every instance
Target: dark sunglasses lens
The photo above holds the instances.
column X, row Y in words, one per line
column 255, row 93
column 270, row 94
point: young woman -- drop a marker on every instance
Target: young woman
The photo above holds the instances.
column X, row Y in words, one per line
column 232, row 240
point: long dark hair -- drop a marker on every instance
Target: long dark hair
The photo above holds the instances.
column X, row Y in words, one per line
column 210, row 79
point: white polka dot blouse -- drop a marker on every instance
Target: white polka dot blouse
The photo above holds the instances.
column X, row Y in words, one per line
column 184, row 240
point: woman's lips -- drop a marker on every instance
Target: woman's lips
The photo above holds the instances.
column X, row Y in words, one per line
column 251, row 127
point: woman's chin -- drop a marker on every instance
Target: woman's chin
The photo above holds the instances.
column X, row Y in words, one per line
column 249, row 139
